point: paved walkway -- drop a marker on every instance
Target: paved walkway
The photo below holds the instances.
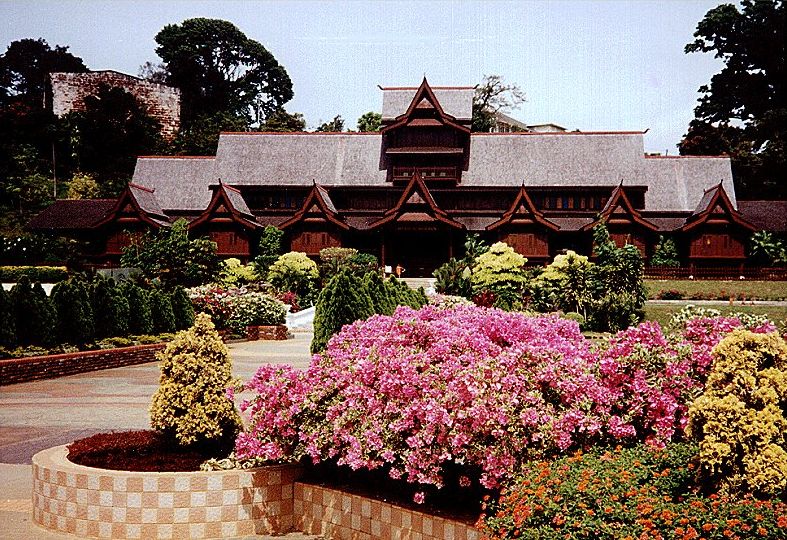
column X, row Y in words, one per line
column 41, row 414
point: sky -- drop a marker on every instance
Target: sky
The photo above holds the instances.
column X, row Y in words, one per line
column 584, row 64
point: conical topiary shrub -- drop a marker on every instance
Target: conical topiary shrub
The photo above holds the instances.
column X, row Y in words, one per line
column 140, row 320
column 74, row 312
column 33, row 314
column 182, row 308
column 379, row 294
column 111, row 309
column 7, row 320
column 344, row 300
column 161, row 312
column 191, row 404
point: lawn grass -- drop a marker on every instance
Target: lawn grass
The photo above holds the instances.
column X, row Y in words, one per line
column 662, row 313
column 718, row 290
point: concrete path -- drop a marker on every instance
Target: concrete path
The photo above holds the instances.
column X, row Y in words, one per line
column 41, row 414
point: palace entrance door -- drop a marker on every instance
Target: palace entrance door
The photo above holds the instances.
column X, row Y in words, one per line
column 420, row 252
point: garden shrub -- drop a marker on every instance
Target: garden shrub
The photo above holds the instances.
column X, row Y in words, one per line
column 564, row 285
column 255, row 309
column 500, row 271
column 7, row 320
column 344, row 300
column 42, row 274
column 111, row 309
column 453, row 278
column 192, row 405
column 740, row 420
column 268, row 250
column 161, row 311
column 234, row 274
column 76, row 322
column 296, row 272
column 447, row 301
column 213, row 300
column 140, row 320
column 334, row 259
column 182, row 308
column 33, row 314
column 665, row 254
column 382, row 300
column 624, row 494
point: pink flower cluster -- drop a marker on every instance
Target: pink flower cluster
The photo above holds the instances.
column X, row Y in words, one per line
column 478, row 387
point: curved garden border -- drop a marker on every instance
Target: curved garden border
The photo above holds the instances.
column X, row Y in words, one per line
column 91, row 502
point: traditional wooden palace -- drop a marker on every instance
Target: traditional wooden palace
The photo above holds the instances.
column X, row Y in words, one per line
column 411, row 192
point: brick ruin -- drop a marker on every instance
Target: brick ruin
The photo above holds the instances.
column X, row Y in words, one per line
column 163, row 102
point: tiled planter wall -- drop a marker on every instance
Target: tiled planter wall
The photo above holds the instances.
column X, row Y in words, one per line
column 91, row 502
column 16, row 370
column 335, row 514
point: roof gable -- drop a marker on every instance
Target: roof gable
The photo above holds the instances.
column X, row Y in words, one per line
column 620, row 210
column 416, row 204
column 715, row 206
column 523, row 212
column 425, row 100
column 226, row 204
column 316, row 206
column 136, row 203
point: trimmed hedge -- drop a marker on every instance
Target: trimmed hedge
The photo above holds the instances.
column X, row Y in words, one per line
column 42, row 274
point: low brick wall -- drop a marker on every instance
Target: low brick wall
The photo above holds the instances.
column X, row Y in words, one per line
column 17, row 370
column 91, row 502
column 278, row 332
column 335, row 514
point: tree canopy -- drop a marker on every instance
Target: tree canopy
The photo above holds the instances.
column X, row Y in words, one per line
column 493, row 95
column 742, row 111
column 370, row 121
column 220, row 70
column 282, row 121
column 333, row 126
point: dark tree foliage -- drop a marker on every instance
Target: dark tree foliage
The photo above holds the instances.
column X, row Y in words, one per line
column 25, row 69
column 220, row 70
column 344, row 300
column 743, row 111
column 33, row 313
column 140, row 320
column 370, row 121
column 7, row 320
column 74, row 309
column 281, row 121
column 111, row 309
column 182, row 308
column 403, row 295
column 161, row 312
column 493, row 95
column 111, row 132
column 334, row 126
column 666, row 253
column 201, row 136
column 269, row 249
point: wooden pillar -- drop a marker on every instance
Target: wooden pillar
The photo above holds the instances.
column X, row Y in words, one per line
column 450, row 244
column 382, row 248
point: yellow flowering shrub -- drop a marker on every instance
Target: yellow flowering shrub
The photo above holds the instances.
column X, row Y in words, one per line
column 739, row 420
column 191, row 403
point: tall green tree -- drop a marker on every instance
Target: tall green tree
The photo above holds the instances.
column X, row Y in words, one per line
column 71, row 301
column 283, row 122
column 109, row 134
column 344, row 300
column 333, row 126
column 221, row 70
column 370, row 121
column 494, row 95
column 743, row 110
column 7, row 320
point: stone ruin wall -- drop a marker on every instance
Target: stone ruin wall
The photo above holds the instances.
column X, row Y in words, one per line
column 163, row 102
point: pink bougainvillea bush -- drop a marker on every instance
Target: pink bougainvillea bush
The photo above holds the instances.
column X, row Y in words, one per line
column 476, row 387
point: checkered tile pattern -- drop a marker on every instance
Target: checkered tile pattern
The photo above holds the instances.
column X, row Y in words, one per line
column 116, row 504
column 334, row 514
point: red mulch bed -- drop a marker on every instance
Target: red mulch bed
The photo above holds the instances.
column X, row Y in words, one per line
column 144, row 450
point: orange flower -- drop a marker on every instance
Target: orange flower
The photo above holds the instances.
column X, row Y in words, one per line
column 782, row 522
column 707, row 527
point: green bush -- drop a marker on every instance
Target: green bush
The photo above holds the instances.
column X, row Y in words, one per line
column 182, row 308
column 379, row 294
column 295, row 272
column 665, row 254
column 161, row 312
column 255, row 309
column 33, row 314
column 140, row 320
column 453, row 278
column 7, row 320
column 741, row 418
column 500, row 271
column 42, row 274
column 110, row 309
column 402, row 295
column 114, row 342
column 76, row 323
column 269, row 249
column 191, row 404
column 623, row 494
column 235, row 274
column 344, row 300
